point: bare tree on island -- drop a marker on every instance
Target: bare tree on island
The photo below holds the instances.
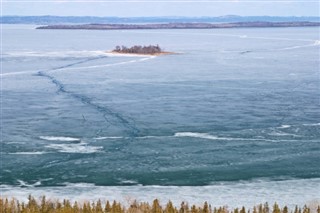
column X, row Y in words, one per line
column 138, row 49
column 118, row 48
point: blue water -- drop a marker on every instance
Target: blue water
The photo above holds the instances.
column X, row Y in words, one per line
column 234, row 105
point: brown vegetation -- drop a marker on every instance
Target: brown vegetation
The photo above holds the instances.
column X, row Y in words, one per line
column 47, row 206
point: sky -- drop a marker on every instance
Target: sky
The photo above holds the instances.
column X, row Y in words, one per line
column 139, row 8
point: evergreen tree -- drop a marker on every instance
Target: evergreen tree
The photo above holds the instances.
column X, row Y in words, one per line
column 107, row 208
column 169, row 208
column 75, row 207
column 285, row 210
column 156, row 208
column 306, row 209
column 99, row 207
column 276, row 208
column 243, row 210
column 184, row 208
column 266, row 208
column 194, row 209
column 260, row 208
column 205, row 207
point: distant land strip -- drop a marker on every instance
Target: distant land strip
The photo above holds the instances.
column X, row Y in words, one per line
column 49, row 20
column 179, row 26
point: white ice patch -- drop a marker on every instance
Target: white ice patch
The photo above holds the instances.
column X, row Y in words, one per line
column 284, row 126
column 59, row 138
column 133, row 182
column 283, row 134
column 316, row 124
column 24, row 184
column 16, row 142
column 18, row 73
column 152, row 136
column 28, row 153
column 196, row 135
column 299, row 46
column 82, row 148
column 213, row 137
column 145, row 58
column 317, row 42
column 126, row 137
column 57, row 54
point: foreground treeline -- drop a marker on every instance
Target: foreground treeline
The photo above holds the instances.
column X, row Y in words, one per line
column 48, row 206
column 137, row 49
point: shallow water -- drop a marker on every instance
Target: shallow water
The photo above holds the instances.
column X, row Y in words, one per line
column 235, row 105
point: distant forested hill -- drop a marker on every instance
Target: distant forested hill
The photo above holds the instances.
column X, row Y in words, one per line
column 105, row 20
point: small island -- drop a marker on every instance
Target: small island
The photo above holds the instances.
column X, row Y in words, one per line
column 141, row 50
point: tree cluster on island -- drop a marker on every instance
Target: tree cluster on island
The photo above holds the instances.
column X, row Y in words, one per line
column 137, row 49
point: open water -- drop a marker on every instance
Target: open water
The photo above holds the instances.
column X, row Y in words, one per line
column 233, row 119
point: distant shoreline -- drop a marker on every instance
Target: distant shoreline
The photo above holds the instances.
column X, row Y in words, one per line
column 230, row 18
column 179, row 26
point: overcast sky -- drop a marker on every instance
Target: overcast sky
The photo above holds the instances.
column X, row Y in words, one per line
column 134, row 8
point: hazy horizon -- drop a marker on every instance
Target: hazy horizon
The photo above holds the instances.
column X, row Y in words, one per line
column 230, row 15
column 156, row 8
